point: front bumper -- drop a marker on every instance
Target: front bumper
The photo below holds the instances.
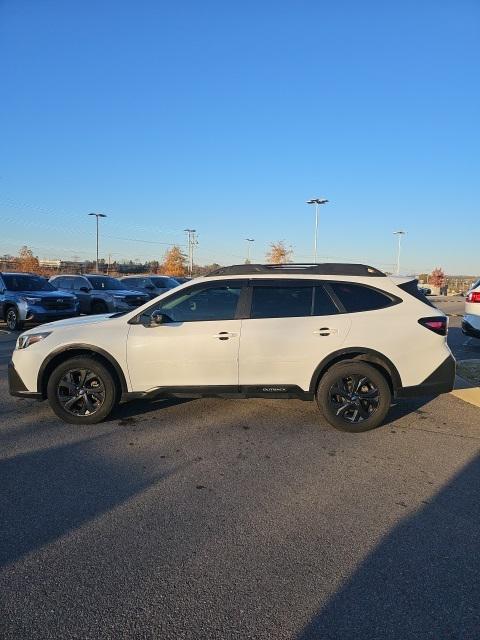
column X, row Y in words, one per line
column 17, row 387
column 37, row 313
column 442, row 380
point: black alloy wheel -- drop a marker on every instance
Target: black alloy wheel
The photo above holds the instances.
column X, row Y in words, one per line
column 13, row 319
column 354, row 396
column 80, row 392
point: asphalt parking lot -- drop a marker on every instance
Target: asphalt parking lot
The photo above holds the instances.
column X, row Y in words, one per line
column 240, row 519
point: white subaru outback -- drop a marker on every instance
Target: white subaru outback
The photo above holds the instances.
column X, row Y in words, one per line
column 343, row 334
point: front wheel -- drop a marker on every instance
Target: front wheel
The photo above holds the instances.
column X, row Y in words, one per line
column 12, row 318
column 82, row 390
column 354, row 396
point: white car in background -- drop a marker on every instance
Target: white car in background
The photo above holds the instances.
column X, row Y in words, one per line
column 471, row 320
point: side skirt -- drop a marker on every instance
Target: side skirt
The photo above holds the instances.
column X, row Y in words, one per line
column 278, row 392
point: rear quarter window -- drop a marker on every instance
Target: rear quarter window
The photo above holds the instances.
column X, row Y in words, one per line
column 357, row 297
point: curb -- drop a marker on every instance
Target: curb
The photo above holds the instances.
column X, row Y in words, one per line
column 464, row 391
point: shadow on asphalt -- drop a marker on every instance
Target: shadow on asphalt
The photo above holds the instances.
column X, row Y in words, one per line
column 141, row 407
column 462, row 346
column 48, row 493
column 422, row 579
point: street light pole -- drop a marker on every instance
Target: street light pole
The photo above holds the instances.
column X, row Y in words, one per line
column 317, row 202
column 399, row 235
column 97, row 216
column 191, row 242
column 249, row 241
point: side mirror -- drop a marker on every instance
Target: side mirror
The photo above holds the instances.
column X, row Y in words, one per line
column 157, row 318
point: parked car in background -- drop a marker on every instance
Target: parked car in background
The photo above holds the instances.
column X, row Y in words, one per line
column 153, row 285
column 27, row 297
column 344, row 335
column 99, row 294
column 471, row 319
column 181, row 280
column 425, row 290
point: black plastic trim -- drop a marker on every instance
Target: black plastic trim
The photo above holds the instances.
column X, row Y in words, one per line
column 81, row 347
column 469, row 330
column 327, row 268
column 358, row 353
column 17, row 387
column 274, row 391
column 442, row 380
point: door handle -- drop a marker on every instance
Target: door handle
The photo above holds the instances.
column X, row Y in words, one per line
column 325, row 331
column 224, row 335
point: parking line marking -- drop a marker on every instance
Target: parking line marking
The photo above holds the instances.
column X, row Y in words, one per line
column 472, row 396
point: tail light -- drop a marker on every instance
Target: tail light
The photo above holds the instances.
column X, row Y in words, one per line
column 473, row 296
column 436, row 324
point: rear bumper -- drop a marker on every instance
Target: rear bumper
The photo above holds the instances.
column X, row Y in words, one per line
column 469, row 330
column 17, row 387
column 442, row 380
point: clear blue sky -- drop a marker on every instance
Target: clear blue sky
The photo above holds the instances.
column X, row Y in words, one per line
column 227, row 116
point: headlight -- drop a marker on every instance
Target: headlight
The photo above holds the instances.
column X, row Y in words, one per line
column 25, row 341
column 31, row 300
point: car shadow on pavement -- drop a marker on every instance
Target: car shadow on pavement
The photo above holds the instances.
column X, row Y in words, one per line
column 139, row 407
column 421, row 581
column 50, row 492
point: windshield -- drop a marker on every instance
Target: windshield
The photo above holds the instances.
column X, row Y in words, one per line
column 164, row 282
column 24, row 282
column 104, row 282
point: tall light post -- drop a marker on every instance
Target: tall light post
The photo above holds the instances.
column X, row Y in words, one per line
column 191, row 242
column 317, row 202
column 249, row 242
column 399, row 235
column 97, row 215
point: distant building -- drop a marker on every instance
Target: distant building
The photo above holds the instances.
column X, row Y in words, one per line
column 61, row 265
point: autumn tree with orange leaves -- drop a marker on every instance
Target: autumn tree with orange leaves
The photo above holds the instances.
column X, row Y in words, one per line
column 437, row 277
column 27, row 261
column 279, row 253
column 175, row 262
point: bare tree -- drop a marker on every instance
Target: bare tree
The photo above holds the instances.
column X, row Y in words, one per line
column 279, row 253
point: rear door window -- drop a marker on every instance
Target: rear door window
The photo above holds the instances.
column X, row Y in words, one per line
column 357, row 297
column 323, row 304
column 281, row 301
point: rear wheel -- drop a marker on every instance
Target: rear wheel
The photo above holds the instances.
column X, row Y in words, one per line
column 12, row 318
column 354, row 396
column 82, row 390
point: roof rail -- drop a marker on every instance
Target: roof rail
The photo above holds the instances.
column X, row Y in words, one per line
column 325, row 269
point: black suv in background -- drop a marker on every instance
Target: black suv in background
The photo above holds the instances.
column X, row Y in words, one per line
column 100, row 294
column 27, row 297
column 152, row 285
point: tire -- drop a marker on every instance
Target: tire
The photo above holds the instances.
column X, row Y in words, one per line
column 97, row 391
column 99, row 307
column 354, row 396
column 12, row 318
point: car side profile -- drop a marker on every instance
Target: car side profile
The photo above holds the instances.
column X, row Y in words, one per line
column 99, row 293
column 471, row 319
column 152, row 285
column 345, row 335
column 28, row 297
